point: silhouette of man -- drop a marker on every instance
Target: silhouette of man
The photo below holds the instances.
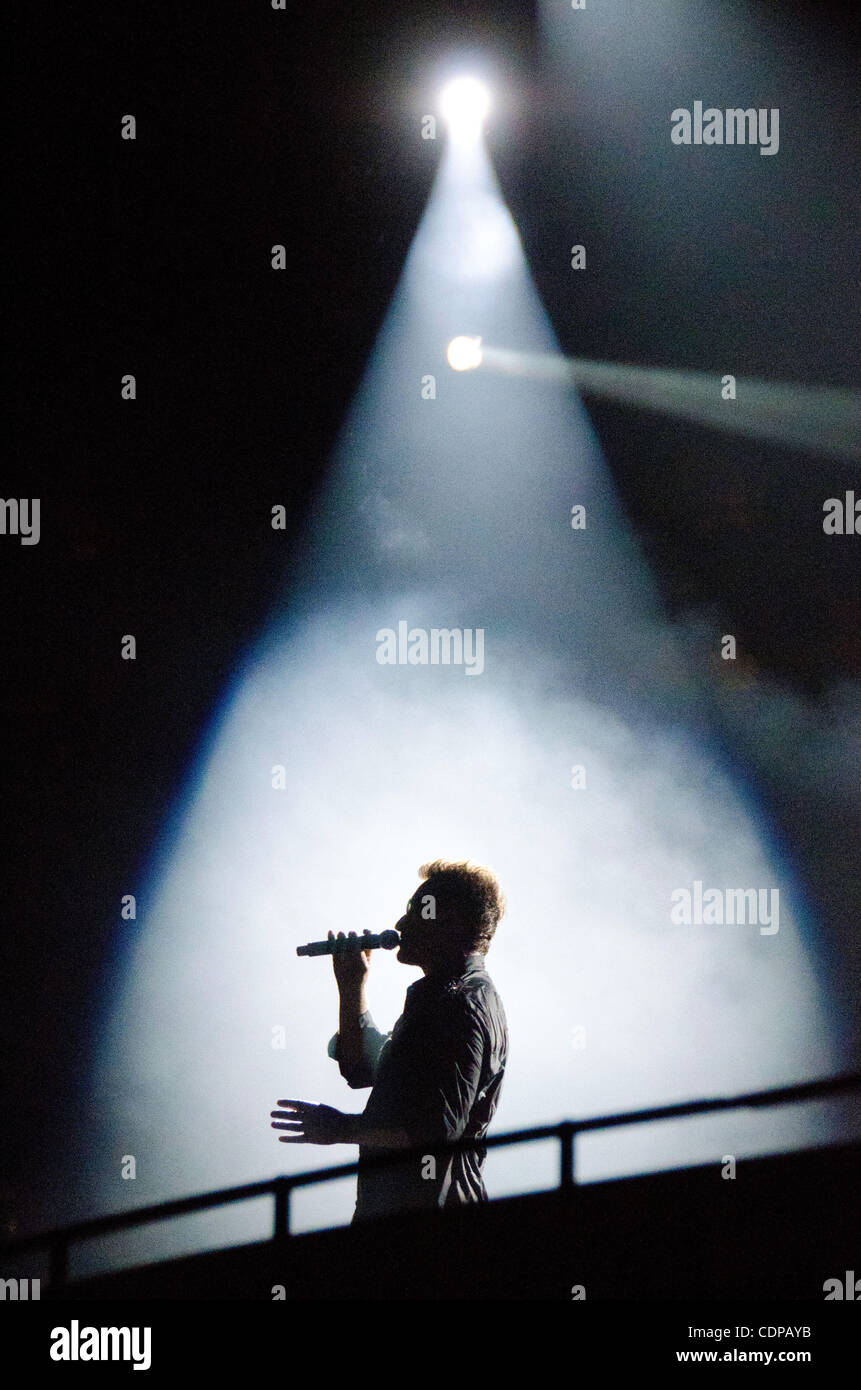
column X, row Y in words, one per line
column 436, row 1077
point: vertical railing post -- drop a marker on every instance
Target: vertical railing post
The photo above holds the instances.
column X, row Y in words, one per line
column 282, row 1209
column 566, row 1156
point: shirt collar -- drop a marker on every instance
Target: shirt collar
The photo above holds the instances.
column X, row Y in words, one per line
column 474, row 961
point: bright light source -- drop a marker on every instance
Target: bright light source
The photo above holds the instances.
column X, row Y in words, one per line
column 464, row 353
column 465, row 102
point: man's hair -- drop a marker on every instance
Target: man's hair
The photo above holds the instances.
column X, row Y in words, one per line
column 471, row 893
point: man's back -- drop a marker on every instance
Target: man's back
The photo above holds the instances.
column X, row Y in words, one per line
column 438, row 1075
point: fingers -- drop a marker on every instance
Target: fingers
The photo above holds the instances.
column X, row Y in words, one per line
column 293, row 1119
column 297, row 1111
column 301, row 1119
column 294, row 1113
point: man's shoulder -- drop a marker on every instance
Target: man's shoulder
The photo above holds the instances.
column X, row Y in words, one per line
column 476, row 993
column 476, row 1011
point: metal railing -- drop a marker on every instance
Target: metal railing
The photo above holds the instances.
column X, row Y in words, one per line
column 58, row 1241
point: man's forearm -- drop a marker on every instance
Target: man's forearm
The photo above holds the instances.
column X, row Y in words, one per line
column 351, row 1007
column 358, row 1130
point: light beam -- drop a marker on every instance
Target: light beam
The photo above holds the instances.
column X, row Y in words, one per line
column 819, row 418
column 464, row 103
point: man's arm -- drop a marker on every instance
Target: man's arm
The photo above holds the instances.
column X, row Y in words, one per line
column 446, row 1083
column 436, row 1111
column 322, row 1124
column 443, row 1087
column 358, row 1043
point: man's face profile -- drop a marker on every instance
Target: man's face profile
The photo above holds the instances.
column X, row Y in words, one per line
column 420, row 937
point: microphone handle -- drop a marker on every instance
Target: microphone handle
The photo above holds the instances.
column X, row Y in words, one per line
column 368, row 941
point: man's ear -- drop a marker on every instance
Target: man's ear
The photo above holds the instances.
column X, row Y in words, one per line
column 457, row 932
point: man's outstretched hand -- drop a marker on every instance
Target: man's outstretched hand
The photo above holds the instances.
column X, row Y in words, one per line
column 311, row 1124
column 322, row 1124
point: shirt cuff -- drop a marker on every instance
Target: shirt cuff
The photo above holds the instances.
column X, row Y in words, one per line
column 365, row 1021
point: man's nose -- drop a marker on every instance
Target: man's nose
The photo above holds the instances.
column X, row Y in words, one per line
column 401, row 923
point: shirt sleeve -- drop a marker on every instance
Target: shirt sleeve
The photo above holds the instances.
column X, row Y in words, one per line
column 447, row 1083
column 373, row 1042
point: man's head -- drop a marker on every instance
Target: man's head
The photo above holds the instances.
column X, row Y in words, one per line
column 453, row 912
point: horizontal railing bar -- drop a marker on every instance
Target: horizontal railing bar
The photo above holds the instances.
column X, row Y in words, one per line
column 811, row 1090
column 184, row 1206
column 180, row 1206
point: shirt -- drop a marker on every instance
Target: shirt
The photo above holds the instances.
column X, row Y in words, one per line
column 437, row 1075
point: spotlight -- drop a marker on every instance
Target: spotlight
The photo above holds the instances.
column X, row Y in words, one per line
column 464, row 353
column 464, row 103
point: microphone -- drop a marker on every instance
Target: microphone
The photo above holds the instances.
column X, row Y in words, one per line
column 368, row 941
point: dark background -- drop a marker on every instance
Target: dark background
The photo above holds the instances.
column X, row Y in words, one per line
column 153, row 257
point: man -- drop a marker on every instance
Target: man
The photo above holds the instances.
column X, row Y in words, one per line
column 436, row 1077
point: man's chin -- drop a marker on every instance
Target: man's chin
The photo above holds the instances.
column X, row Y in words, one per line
column 404, row 956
